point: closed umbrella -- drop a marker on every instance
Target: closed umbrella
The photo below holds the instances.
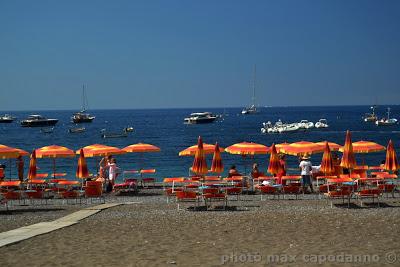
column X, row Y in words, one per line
column 391, row 163
column 216, row 165
column 199, row 163
column 82, row 169
column 327, row 166
column 348, row 160
column 32, row 166
column 274, row 166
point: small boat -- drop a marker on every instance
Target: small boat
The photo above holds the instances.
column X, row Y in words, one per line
column 114, row 135
column 82, row 116
column 77, row 130
column 128, row 129
column 305, row 124
column 47, row 130
column 200, row 117
column 38, row 121
column 6, row 118
column 386, row 121
column 371, row 117
column 322, row 123
column 252, row 109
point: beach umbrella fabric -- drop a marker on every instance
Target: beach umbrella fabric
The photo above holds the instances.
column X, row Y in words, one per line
column 391, row 163
column 302, row 148
column 199, row 163
column 332, row 146
column 54, row 151
column 216, row 165
column 32, row 166
column 327, row 161
column 274, row 166
column 98, row 150
column 141, row 148
column 207, row 148
column 82, row 169
column 247, row 148
column 7, row 152
column 366, row 147
column 281, row 146
column 348, row 160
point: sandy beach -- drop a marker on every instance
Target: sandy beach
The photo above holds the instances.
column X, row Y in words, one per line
column 250, row 233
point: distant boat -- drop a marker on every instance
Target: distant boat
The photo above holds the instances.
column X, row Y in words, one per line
column 77, row 130
column 38, row 121
column 47, row 130
column 82, row 116
column 386, row 121
column 252, row 109
column 200, row 117
column 371, row 117
column 6, row 118
column 114, row 135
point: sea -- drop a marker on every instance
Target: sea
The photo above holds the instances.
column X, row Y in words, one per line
column 165, row 129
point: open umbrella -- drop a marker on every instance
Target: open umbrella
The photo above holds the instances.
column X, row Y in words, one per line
column 348, row 160
column 199, row 163
column 207, row 148
column 82, row 169
column 391, row 163
column 98, row 150
column 7, row 152
column 365, row 147
column 332, row 146
column 301, row 148
column 274, row 166
column 216, row 165
column 327, row 161
column 281, row 146
column 141, row 148
column 54, row 151
column 32, row 166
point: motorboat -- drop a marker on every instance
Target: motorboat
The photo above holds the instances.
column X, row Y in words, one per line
column 6, row 118
column 128, row 129
column 386, row 121
column 322, row 123
column 371, row 117
column 250, row 110
column 38, row 121
column 77, row 130
column 82, row 116
column 305, row 125
column 200, row 117
column 279, row 127
column 114, row 135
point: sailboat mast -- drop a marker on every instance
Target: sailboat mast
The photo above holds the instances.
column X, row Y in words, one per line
column 83, row 99
column 254, row 86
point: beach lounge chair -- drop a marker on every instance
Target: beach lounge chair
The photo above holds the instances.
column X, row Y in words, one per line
column 233, row 191
column 129, row 185
column 374, row 193
column 291, row 189
column 268, row 190
column 186, row 196
column 94, row 190
column 342, row 190
column 146, row 181
column 171, row 186
column 388, row 188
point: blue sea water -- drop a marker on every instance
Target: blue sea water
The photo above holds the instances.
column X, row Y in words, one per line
column 165, row 128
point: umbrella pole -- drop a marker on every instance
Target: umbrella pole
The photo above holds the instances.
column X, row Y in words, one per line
column 54, row 168
column 10, row 168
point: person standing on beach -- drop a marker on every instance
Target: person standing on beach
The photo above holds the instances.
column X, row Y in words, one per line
column 306, row 172
column 282, row 170
column 112, row 174
column 20, row 167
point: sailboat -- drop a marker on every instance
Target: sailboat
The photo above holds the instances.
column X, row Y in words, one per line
column 386, row 121
column 82, row 116
column 252, row 109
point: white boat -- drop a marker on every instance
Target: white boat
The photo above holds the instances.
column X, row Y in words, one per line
column 200, row 117
column 386, row 121
column 322, row 123
column 371, row 117
column 6, row 118
column 252, row 109
column 305, row 124
column 82, row 116
column 279, row 127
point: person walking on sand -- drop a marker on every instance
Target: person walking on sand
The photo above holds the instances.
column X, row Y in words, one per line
column 20, row 167
column 306, row 172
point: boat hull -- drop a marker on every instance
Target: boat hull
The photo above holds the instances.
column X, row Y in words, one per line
column 200, row 121
column 6, row 120
column 49, row 122
column 82, row 120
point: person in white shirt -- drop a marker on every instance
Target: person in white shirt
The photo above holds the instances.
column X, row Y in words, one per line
column 306, row 173
column 112, row 173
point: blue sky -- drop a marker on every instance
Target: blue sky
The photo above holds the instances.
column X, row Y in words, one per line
column 163, row 54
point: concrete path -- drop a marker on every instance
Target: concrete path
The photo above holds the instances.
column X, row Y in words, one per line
column 19, row 234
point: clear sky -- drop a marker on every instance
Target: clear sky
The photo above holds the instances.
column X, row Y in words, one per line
column 163, row 54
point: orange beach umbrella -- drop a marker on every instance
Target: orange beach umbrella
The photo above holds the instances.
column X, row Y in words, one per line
column 348, row 160
column 32, row 166
column 281, row 146
column 247, row 148
column 327, row 161
column 366, row 147
column 207, row 148
column 199, row 163
column 274, row 166
column 54, row 152
column 141, row 148
column 98, row 150
column 301, row 148
column 216, row 165
column 391, row 163
column 332, row 146
column 7, row 152
column 82, row 169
